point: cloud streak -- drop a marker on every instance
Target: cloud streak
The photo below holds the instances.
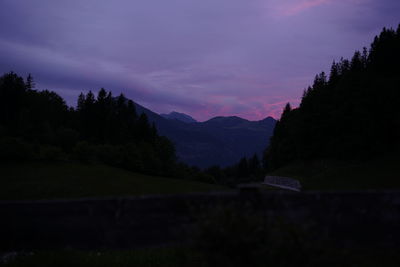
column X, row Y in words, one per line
column 301, row 6
column 204, row 58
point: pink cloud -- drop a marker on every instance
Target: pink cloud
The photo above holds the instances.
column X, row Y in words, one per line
column 300, row 6
column 250, row 108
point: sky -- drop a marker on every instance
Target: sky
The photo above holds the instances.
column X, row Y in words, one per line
column 205, row 58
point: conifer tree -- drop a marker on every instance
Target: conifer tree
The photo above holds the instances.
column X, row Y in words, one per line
column 30, row 84
column 342, row 118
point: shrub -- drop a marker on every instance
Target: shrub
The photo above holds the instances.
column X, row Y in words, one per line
column 84, row 152
column 15, row 149
column 239, row 236
column 66, row 138
column 51, row 153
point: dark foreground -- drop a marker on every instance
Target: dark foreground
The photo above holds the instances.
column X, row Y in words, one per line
column 176, row 257
column 286, row 229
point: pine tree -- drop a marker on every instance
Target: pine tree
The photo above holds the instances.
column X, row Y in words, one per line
column 30, row 84
column 101, row 96
column 243, row 169
column 342, row 118
column 286, row 110
column 81, row 102
column 334, row 74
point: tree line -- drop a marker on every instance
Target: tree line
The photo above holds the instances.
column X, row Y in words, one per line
column 351, row 113
column 246, row 170
column 102, row 128
column 38, row 125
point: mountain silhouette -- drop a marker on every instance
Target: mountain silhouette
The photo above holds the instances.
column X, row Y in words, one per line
column 178, row 116
column 219, row 141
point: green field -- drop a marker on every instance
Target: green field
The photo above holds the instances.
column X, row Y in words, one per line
column 145, row 257
column 377, row 174
column 183, row 257
column 74, row 180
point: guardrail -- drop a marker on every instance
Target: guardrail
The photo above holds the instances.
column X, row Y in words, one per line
column 283, row 182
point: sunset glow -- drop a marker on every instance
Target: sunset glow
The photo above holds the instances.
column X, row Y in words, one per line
column 204, row 58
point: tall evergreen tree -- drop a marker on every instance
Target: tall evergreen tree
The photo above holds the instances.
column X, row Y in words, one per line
column 354, row 114
column 30, row 84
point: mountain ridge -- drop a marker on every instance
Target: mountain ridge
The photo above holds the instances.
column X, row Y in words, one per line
column 218, row 141
column 179, row 116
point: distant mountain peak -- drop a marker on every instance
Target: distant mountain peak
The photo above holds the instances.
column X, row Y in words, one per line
column 226, row 119
column 178, row 116
column 269, row 118
column 220, row 141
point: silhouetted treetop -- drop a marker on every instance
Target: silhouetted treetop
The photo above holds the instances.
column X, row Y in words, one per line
column 102, row 127
column 354, row 113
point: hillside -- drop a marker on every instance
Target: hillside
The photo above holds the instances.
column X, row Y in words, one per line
column 219, row 141
column 178, row 116
column 39, row 125
column 74, row 180
column 328, row 175
column 351, row 115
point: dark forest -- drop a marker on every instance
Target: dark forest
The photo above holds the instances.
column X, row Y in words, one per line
column 350, row 114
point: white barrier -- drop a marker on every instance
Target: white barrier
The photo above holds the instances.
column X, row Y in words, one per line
column 283, row 182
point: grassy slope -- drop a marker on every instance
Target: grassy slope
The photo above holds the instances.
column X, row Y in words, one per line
column 383, row 173
column 177, row 257
column 70, row 180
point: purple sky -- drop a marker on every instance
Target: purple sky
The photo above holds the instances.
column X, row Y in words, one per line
column 202, row 57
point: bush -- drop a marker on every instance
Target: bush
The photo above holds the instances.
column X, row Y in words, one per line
column 15, row 149
column 51, row 153
column 239, row 236
column 67, row 138
column 109, row 154
column 84, row 152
